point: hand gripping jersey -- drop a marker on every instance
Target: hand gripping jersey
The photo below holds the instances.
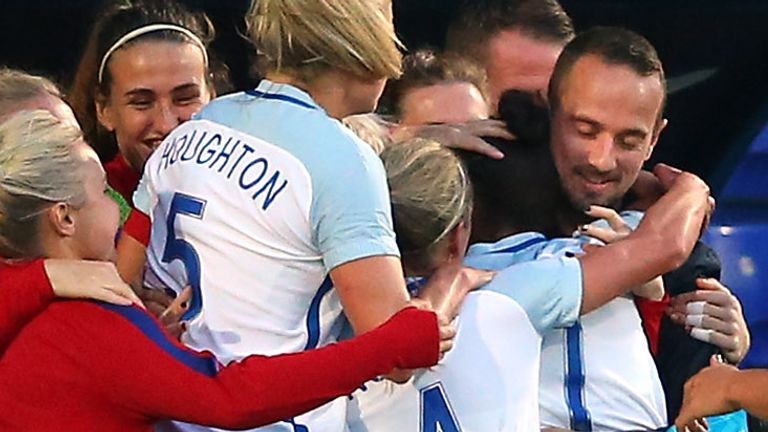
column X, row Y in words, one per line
column 489, row 380
column 599, row 375
column 252, row 204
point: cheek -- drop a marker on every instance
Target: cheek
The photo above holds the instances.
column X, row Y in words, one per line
column 131, row 127
column 632, row 162
column 186, row 112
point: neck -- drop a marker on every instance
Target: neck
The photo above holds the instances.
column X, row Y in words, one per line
column 54, row 246
column 330, row 90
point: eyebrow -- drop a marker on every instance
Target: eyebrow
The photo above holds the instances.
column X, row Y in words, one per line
column 638, row 132
column 148, row 92
column 583, row 119
column 139, row 92
column 185, row 87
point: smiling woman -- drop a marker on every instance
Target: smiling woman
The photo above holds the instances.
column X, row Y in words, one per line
column 144, row 71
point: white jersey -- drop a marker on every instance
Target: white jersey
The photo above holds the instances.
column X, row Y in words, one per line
column 489, row 380
column 599, row 374
column 252, row 204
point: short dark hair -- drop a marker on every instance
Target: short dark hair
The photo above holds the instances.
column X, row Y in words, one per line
column 476, row 21
column 523, row 190
column 426, row 68
column 615, row 46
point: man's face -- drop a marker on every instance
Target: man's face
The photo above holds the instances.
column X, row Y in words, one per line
column 519, row 62
column 603, row 129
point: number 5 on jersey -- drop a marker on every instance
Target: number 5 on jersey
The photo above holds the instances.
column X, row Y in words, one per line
column 179, row 249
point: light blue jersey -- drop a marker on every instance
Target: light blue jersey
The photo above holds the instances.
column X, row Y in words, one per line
column 253, row 202
column 599, row 375
column 489, row 380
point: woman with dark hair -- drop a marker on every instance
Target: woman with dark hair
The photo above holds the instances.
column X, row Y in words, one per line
column 145, row 70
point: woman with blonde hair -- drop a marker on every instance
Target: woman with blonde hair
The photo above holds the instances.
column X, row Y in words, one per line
column 83, row 365
column 271, row 210
column 27, row 290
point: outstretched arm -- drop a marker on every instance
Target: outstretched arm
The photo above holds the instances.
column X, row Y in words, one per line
column 258, row 390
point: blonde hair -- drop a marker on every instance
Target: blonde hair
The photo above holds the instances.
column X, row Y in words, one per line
column 430, row 194
column 371, row 128
column 37, row 169
column 305, row 38
column 17, row 88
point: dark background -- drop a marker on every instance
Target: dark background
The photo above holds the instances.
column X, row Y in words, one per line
column 711, row 123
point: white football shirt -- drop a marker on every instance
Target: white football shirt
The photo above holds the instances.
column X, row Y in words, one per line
column 599, row 375
column 252, row 203
column 489, row 380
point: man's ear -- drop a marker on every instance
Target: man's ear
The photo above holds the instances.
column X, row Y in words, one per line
column 104, row 112
column 62, row 219
column 660, row 125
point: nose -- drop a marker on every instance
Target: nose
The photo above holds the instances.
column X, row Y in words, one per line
column 601, row 154
column 166, row 119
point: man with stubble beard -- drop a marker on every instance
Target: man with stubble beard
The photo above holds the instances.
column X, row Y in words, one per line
column 606, row 96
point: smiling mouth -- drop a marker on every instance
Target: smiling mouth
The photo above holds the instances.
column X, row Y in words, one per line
column 597, row 185
column 153, row 143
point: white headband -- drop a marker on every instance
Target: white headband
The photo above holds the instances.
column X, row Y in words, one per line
column 149, row 29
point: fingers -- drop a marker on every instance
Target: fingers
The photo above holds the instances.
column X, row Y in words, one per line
column 610, row 215
column 447, row 335
column 156, row 296
column 475, row 145
column 475, row 278
column 124, row 292
column 666, row 174
column 618, row 228
column 488, row 128
column 711, row 284
column 176, row 309
column 720, row 303
column 468, row 136
column 605, row 235
column 697, row 425
column 707, row 322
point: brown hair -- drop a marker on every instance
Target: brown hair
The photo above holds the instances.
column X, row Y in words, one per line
column 477, row 21
column 615, row 46
column 115, row 22
column 426, row 68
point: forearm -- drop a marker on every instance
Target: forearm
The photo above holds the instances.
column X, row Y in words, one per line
column 660, row 244
column 261, row 390
column 677, row 220
column 747, row 391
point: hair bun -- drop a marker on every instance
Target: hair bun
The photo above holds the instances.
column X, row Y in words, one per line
column 525, row 116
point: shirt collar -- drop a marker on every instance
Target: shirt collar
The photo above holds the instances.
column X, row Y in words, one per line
column 513, row 243
column 288, row 92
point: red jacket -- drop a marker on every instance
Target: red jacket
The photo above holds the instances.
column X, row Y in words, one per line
column 24, row 293
column 122, row 177
column 83, row 365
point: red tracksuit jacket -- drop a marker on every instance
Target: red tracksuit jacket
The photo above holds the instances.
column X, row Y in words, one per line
column 89, row 366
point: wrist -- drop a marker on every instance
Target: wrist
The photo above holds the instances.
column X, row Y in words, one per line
column 733, row 391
